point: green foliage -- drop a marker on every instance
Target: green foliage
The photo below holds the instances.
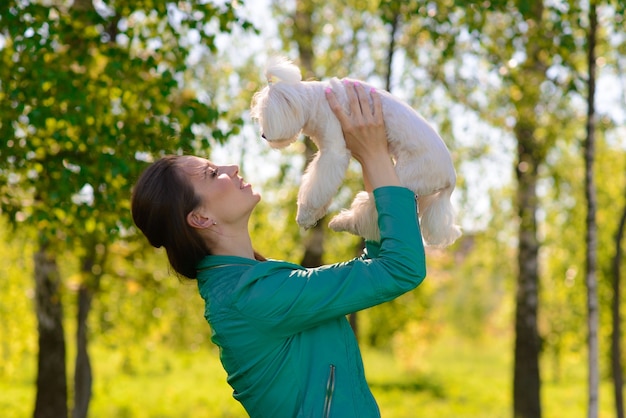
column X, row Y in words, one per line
column 88, row 96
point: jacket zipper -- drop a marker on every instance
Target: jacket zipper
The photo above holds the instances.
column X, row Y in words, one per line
column 330, row 389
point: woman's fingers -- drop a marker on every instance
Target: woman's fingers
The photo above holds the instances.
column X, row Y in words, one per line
column 357, row 98
column 364, row 102
column 377, row 111
column 335, row 106
column 362, row 112
column 353, row 100
column 367, row 108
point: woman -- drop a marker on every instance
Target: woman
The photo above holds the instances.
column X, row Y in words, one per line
column 281, row 328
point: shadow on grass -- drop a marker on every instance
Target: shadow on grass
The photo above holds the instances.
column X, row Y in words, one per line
column 410, row 386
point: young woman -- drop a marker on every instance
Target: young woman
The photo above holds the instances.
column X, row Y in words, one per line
column 281, row 328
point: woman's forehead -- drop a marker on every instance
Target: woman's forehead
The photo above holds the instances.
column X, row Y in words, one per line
column 195, row 165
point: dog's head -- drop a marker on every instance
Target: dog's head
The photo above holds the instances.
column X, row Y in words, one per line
column 279, row 107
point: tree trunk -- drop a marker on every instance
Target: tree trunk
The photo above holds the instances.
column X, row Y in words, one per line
column 83, row 378
column 526, row 380
column 395, row 25
column 51, row 398
column 591, row 233
column 616, row 334
column 531, row 154
column 92, row 263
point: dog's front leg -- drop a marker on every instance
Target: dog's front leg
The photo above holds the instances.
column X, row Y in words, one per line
column 320, row 183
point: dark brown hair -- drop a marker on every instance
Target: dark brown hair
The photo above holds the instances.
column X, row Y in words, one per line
column 161, row 200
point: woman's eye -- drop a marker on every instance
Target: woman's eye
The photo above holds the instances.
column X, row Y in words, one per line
column 210, row 172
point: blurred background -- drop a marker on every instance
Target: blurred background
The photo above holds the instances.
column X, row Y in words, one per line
column 522, row 317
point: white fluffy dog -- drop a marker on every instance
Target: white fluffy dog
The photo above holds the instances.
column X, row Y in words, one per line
column 288, row 106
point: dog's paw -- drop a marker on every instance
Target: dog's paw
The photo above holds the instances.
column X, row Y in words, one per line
column 360, row 224
column 342, row 223
column 307, row 217
column 306, row 223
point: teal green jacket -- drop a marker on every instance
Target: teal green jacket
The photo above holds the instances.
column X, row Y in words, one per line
column 281, row 328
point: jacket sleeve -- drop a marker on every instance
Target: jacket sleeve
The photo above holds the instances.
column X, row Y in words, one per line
column 288, row 298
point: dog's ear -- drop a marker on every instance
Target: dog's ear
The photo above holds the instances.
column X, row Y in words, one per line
column 283, row 113
column 280, row 69
column 258, row 103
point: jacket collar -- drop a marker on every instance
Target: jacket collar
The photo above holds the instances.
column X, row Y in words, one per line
column 212, row 261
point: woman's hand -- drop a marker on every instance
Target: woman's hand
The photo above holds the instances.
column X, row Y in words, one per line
column 365, row 136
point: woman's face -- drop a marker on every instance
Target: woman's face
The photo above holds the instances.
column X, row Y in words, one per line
column 225, row 197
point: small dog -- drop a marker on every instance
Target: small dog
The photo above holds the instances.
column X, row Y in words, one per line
column 288, row 106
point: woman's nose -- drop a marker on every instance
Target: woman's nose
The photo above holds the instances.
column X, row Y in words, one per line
column 233, row 170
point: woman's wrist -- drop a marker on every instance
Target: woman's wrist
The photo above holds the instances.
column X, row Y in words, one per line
column 379, row 171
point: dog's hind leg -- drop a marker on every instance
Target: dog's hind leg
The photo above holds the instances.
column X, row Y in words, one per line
column 437, row 218
column 361, row 219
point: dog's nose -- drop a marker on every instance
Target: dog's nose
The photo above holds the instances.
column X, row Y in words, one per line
column 263, row 136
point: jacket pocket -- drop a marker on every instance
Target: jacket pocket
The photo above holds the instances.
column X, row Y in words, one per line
column 330, row 389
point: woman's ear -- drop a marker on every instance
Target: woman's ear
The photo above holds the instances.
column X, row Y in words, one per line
column 196, row 220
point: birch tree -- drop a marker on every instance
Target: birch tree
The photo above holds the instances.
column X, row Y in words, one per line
column 590, row 221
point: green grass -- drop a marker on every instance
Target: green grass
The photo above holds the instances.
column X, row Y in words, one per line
column 455, row 378
column 464, row 379
column 162, row 383
column 17, row 395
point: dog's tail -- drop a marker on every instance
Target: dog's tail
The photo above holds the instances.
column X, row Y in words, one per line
column 437, row 218
column 281, row 69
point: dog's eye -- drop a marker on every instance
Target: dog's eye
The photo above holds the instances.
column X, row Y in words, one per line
column 263, row 136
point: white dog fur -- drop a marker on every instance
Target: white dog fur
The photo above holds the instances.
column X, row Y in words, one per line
column 288, row 106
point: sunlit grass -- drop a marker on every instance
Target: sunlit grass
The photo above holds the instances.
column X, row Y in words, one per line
column 473, row 379
column 457, row 378
column 163, row 383
column 17, row 394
